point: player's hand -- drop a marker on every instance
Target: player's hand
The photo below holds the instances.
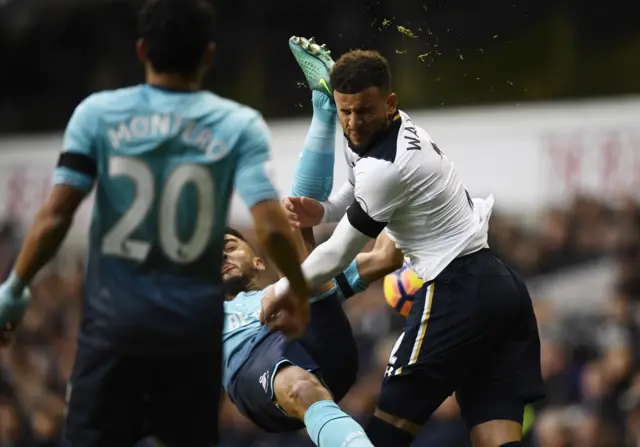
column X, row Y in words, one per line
column 288, row 314
column 12, row 308
column 303, row 212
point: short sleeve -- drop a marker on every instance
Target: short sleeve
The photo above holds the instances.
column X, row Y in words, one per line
column 378, row 192
column 77, row 165
column 252, row 179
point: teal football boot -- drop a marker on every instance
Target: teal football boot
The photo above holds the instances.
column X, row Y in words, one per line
column 315, row 62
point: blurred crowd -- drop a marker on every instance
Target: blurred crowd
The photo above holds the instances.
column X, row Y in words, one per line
column 443, row 53
column 590, row 361
column 458, row 52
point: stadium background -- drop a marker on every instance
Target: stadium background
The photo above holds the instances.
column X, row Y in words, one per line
column 565, row 175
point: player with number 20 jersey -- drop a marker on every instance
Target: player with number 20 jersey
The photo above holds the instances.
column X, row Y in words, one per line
column 164, row 179
column 164, row 158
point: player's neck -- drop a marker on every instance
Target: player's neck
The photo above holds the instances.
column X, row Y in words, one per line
column 253, row 286
column 381, row 135
column 238, row 285
column 177, row 82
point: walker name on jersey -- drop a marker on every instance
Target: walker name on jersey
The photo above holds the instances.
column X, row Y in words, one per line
column 239, row 319
column 413, row 138
column 411, row 135
column 158, row 125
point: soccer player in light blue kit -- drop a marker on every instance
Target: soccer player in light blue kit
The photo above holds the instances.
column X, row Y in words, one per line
column 164, row 158
column 284, row 385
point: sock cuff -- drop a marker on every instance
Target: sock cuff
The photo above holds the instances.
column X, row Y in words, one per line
column 324, row 111
column 16, row 285
column 320, row 414
column 323, row 101
column 322, row 406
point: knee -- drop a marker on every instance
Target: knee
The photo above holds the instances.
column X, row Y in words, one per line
column 296, row 390
column 305, row 390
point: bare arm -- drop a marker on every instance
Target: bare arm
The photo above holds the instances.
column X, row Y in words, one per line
column 280, row 243
column 305, row 243
column 368, row 267
column 256, row 188
column 49, row 228
column 73, row 178
column 309, row 240
column 379, row 262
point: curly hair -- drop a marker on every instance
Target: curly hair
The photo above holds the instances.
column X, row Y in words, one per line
column 358, row 70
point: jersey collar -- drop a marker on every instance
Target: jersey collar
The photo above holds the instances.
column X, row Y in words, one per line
column 168, row 89
column 381, row 139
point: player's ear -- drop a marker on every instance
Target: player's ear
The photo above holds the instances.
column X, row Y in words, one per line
column 259, row 264
column 207, row 57
column 141, row 50
column 392, row 103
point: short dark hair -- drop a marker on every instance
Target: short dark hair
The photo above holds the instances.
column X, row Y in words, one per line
column 235, row 233
column 358, row 70
column 176, row 33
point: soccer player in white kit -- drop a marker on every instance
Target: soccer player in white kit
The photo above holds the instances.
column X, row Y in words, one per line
column 471, row 329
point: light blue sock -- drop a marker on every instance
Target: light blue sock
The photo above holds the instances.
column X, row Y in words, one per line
column 328, row 426
column 313, row 176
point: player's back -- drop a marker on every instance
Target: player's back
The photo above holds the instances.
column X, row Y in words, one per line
column 165, row 164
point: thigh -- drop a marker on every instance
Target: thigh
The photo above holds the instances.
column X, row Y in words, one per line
column 511, row 378
column 413, row 397
column 251, row 390
column 185, row 398
column 415, row 383
column 444, row 334
column 451, row 330
column 105, row 399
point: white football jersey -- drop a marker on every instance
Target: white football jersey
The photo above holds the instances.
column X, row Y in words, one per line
column 406, row 186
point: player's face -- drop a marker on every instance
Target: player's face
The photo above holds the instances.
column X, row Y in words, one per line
column 365, row 115
column 240, row 262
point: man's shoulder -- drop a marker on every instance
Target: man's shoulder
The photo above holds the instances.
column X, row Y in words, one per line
column 377, row 178
column 107, row 99
column 237, row 114
column 413, row 147
column 206, row 102
column 403, row 136
column 237, row 122
column 412, row 137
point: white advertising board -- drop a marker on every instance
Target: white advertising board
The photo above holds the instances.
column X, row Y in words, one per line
column 529, row 157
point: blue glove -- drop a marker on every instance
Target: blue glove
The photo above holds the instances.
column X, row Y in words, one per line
column 14, row 300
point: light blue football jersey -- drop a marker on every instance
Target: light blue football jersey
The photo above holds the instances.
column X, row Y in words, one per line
column 242, row 328
column 164, row 164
